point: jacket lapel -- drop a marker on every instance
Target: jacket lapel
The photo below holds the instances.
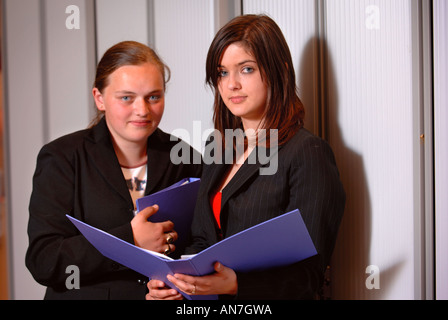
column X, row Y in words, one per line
column 251, row 167
column 105, row 160
column 158, row 160
column 242, row 175
column 219, row 170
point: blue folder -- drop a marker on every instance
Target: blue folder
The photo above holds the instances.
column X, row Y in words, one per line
column 277, row 242
column 176, row 203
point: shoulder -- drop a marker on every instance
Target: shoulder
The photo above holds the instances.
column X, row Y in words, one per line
column 67, row 142
column 59, row 155
column 304, row 137
column 304, row 144
column 69, row 145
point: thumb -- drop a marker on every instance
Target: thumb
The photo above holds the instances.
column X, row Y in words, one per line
column 218, row 267
column 148, row 211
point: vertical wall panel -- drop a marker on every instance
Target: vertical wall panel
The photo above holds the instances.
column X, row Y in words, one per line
column 298, row 21
column 183, row 33
column 441, row 145
column 25, row 129
column 369, row 69
column 224, row 10
column 118, row 20
column 69, row 67
column 47, row 88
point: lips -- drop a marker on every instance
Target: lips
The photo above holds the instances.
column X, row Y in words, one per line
column 140, row 123
column 237, row 99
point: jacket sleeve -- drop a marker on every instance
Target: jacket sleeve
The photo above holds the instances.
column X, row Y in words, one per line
column 315, row 189
column 54, row 242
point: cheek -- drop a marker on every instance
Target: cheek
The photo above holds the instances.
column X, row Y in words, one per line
column 116, row 116
column 262, row 90
column 157, row 110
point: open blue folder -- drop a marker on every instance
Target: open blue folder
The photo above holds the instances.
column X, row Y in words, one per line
column 280, row 241
column 176, row 203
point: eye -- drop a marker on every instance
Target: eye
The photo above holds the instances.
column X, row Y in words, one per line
column 154, row 98
column 125, row 98
column 248, row 70
column 222, row 73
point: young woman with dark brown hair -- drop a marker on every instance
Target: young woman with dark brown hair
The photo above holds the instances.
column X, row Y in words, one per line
column 249, row 66
column 96, row 174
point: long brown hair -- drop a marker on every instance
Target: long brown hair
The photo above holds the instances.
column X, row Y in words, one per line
column 125, row 53
column 262, row 37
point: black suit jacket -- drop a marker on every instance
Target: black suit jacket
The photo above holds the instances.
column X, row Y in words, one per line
column 306, row 179
column 79, row 174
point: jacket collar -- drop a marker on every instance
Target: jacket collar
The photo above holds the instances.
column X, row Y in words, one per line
column 256, row 161
column 105, row 160
column 158, row 151
column 252, row 166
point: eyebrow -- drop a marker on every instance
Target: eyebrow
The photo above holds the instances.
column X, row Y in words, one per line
column 124, row 92
column 131, row 92
column 240, row 63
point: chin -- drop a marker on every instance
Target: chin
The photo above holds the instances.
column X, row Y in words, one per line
column 142, row 135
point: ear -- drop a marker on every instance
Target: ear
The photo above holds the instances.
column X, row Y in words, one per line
column 99, row 101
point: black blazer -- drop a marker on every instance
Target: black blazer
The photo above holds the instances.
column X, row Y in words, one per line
column 79, row 174
column 306, row 179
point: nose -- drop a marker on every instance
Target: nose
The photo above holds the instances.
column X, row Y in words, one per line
column 141, row 107
column 233, row 82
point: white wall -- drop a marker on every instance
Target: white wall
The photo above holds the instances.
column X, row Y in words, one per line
column 356, row 65
column 358, row 70
column 183, row 33
column 117, row 21
column 369, row 68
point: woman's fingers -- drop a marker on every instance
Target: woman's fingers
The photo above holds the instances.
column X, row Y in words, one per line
column 184, row 283
column 158, row 291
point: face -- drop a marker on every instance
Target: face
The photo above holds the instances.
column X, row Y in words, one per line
column 133, row 103
column 241, row 86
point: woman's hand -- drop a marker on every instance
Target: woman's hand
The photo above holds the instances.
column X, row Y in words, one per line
column 153, row 236
column 158, row 291
column 223, row 281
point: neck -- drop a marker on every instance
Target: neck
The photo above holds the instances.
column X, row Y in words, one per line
column 131, row 156
column 252, row 125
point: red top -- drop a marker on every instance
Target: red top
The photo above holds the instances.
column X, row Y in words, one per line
column 215, row 200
